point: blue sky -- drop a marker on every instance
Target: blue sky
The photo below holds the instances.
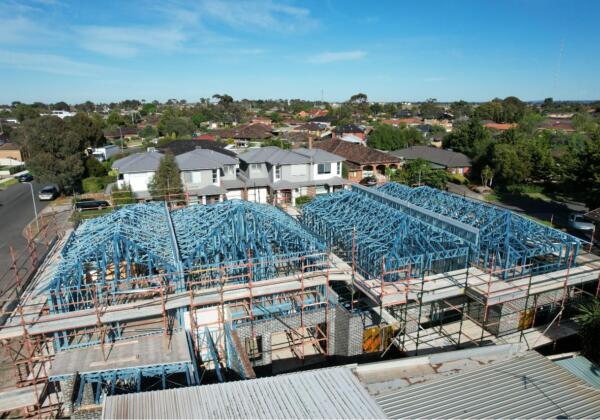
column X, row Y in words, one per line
column 53, row 50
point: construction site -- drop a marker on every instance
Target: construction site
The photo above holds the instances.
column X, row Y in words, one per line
column 153, row 297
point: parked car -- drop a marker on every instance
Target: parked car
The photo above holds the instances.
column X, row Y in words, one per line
column 83, row 205
column 49, row 192
column 576, row 221
column 25, row 177
column 368, row 181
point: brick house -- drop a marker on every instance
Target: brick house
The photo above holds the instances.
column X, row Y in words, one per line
column 361, row 161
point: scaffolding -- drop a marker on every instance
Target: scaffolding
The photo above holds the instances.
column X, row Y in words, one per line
column 114, row 285
column 514, row 269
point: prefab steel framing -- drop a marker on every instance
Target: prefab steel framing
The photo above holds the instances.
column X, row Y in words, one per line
column 133, row 246
column 504, row 240
column 382, row 238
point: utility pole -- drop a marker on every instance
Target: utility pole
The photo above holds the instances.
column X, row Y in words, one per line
column 37, row 223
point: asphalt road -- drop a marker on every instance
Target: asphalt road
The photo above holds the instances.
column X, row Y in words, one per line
column 16, row 211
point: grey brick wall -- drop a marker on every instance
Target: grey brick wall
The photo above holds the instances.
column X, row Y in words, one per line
column 264, row 328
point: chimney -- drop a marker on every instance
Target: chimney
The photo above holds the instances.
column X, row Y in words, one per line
column 310, row 142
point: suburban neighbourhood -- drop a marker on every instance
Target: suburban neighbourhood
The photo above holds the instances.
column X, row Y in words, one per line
column 284, row 209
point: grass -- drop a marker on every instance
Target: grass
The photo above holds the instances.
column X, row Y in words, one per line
column 90, row 214
column 538, row 196
column 8, row 183
column 492, row 197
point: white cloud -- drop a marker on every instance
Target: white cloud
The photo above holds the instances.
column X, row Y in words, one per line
column 49, row 63
column 127, row 41
column 247, row 15
column 332, row 57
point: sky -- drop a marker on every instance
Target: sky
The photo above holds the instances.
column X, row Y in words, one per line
column 110, row 50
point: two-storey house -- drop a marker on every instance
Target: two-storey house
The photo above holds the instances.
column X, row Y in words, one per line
column 203, row 173
column 284, row 175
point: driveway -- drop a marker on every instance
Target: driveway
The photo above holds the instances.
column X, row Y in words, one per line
column 16, row 211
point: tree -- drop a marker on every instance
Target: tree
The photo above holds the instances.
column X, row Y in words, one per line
column 431, row 109
column 94, row 168
column 87, row 128
column 589, row 329
column 420, row 172
column 509, row 164
column 61, row 106
column 224, row 100
column 471, row 139
column 387, row 137
column 178, row 126
column 201, row 117
column 588, row 174
column 24, row 112
column 359, row 98
column 115, row 119
column 461, row 109
column 166, row 183
column 55, row 151
column 487, row 176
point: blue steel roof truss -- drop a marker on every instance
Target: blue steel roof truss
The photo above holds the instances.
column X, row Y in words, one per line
column 105, row 254
column 382, row 235
column 507, row 241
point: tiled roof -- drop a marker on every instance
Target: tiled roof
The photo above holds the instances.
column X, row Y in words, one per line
column 183, row 146
column 252, row 131
column 350, row 128
column 273, row 155
column 139, row 162
column 203, row 159
column 319, row 155
column 499, row 126
column 356, row 153
column 446, row 158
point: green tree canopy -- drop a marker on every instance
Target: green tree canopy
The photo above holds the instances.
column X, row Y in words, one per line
column 166, row 183
column 470, row 138
column 55, row 151
column 87, row 128
column 387, row 137
column 420, row 172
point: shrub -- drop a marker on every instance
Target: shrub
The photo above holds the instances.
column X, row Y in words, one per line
column 458, row 179
column 524, row 189
column 302, row 200
column 92, row 184
column 94, row 168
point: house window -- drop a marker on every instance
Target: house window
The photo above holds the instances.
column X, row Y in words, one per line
column 278, row 172
column 324, row 168
column 255, row 167
column 121, row 177
column 339, row 168
column 214, row 176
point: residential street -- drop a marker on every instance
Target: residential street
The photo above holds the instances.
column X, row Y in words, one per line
column 16, row 211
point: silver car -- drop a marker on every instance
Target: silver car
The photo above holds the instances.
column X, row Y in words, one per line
column 49, row 192
column 578, row 222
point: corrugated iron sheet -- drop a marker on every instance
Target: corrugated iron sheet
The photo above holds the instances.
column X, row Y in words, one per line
column 322, row 393
column 529, row 386
column 582, row 368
